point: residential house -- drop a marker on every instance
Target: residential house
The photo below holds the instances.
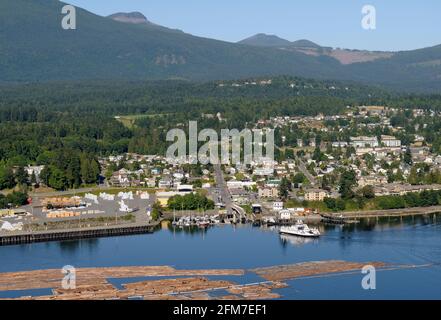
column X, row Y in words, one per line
column 277, row 206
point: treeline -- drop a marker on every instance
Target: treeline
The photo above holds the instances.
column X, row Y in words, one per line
column 410, row 200
column 10, row 178
column 192, row 201
column 14, row 199
column 66, row 169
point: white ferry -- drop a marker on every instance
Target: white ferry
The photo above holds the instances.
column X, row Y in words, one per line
column 300, row 229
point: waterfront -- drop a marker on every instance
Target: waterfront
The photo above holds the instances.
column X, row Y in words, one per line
column 408, row 240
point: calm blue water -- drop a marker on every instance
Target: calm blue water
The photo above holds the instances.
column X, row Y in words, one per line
column 408, row 241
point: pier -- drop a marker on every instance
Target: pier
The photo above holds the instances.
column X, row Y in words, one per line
column 352, row 217
column 12, row 238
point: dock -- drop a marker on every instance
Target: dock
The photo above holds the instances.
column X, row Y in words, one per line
column 22, row 237
column 337, row 219
column 354, row 216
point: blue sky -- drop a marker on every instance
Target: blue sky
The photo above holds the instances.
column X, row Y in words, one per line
column 401, row 24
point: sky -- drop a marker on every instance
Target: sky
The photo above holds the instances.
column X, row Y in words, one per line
column 400, row 24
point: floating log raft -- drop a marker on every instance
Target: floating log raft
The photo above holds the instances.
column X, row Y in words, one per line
column 51, row 278
column 308, row 269
column 93, row 284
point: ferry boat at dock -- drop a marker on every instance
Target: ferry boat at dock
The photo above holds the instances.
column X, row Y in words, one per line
column 300, row 229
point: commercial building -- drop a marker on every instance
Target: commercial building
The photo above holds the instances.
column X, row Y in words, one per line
column 316, row 194
column 269, row 192
column 364, row 142
column 390, row 141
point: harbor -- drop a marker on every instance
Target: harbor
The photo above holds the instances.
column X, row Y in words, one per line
column 173, row 261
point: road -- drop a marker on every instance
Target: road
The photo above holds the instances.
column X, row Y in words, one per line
column 305, row 171
column 222, row 186
column 225, row 193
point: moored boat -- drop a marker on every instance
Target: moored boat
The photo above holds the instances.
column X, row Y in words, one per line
column 300, row 229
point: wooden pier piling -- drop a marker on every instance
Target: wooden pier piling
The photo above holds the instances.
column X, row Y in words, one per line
column 73, row 234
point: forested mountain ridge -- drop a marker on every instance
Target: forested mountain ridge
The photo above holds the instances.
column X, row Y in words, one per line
column 34, row 47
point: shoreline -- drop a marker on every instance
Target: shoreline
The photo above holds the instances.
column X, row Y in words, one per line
column 23, row 237
column 416, row 211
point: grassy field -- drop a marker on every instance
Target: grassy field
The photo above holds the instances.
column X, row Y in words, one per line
column 129, row 120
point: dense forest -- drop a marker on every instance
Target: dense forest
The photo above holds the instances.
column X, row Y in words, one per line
column 66, row 126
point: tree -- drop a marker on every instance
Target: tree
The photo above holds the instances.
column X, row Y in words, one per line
column 289, row 154
column 57, row 179
column 21, row 176
column 407, row 157
column 190, row 202
column 45, row 174
column 156, row 211
column 33, row 178
column 335, row 204
column 299, row 178
column 7, row 180
column 15, row 199
column 347, row 182
column 318, row 155
column 330, row 203
column 73, row 174
column 90, row 169
column 284, row 188
column 367, row 192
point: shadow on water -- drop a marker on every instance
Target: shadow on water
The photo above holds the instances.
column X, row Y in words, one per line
column 75, row 245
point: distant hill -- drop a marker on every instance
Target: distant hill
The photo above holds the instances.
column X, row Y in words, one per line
column 131, row 17
column 34, row 47
column 305, row 44
column 344, row 56
column 265, row 40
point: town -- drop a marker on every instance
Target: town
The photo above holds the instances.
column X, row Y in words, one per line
column 366, row 159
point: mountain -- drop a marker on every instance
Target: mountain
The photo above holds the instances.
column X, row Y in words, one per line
column 344, row 56
column 131, row 17
column 34, row 47
column 304, row 44
column 265, row 40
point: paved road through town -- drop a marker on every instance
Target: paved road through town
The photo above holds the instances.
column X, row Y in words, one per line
column 305, row 171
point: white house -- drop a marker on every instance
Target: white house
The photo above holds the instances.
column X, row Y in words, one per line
column 285, row 214
column 277, row 206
